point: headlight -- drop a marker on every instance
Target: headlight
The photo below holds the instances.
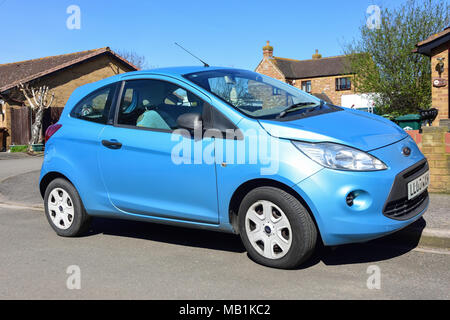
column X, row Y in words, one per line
column 336, row 156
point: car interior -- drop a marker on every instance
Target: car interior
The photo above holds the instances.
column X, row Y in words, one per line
column 93, row 107
column 156, row 105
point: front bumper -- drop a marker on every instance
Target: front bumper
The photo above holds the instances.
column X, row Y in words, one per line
column 326, row 191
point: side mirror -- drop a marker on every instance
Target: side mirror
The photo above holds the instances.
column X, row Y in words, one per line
column 190, row 121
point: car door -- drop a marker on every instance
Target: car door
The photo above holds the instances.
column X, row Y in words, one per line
column 140, row 155
column 79, row 145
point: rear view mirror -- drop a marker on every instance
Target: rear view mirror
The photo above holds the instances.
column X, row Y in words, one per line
column 190, row 121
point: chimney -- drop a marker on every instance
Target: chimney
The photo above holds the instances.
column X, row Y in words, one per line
column 317, row 55
column 268, row 50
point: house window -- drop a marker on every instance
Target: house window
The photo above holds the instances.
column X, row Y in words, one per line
column 306, row 86
column 343, row 84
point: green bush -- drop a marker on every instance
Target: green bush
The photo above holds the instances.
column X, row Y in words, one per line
column 18, row 148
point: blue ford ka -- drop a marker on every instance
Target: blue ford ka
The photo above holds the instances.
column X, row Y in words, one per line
column 233, row 151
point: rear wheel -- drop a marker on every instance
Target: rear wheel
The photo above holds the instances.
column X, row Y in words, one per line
column 276, row 229
column 64, row 210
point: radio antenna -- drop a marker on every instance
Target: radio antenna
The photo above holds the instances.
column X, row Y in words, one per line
column 204, row 63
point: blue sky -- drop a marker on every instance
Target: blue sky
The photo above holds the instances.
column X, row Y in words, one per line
column 225, row 32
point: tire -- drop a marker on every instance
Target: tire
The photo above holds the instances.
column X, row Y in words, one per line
column 64, row 209
column 288, row 234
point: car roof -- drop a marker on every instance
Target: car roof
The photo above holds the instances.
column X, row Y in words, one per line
column 177, row 71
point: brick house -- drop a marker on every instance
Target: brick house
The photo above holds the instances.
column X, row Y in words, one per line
column 62, row 74
column 327, row 78
column 437, row 47
column 435, row 141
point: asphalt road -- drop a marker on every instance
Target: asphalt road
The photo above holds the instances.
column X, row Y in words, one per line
column 12, row 165
column 130, row 260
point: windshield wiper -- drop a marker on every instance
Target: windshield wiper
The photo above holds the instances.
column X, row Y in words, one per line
column 296, row 105
column 320, row 106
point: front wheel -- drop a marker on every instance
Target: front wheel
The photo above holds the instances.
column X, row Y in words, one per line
column 64, row 210
column 276, row 228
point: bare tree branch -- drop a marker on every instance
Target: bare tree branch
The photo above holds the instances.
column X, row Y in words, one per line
column 136, row 59
column 51, row 100
column 38, row 103
column 24, row 90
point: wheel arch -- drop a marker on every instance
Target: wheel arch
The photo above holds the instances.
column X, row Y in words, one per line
column 49, row 177
column 246, row 187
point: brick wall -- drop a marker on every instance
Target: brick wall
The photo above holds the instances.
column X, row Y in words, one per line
column 434, row 142
column 267, row 68
column 322, row 87
column 63, row 83
column 325, row 88
column 7, row 124
column 3, row 115
column 440, row 96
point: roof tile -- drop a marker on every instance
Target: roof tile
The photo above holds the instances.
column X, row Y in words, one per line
column 302, row 69
column 11, row 74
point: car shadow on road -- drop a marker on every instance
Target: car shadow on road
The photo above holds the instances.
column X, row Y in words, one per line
column 167, row 234
column 385, row 248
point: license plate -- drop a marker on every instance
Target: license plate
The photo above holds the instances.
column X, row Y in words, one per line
column 419, row 185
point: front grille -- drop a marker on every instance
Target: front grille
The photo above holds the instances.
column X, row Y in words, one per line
column 412, row 172
column 404, row 207
column 398, row 206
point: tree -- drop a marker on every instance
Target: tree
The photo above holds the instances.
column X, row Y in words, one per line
column 382, row 58
column 139, row 61
column 39, row 100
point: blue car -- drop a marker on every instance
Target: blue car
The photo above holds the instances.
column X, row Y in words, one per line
column 234, row 151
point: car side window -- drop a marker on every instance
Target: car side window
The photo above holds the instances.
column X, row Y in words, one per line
column 95, row 107
column 155, row 104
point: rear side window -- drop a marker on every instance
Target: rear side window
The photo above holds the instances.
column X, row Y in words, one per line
column 95, row 107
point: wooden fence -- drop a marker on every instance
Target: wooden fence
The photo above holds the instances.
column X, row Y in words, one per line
column 21, row 123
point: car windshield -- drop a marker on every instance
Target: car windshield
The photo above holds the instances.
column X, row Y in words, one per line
column 254, row 94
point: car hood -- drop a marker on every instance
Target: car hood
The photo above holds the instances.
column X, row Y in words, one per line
column 353, row 128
